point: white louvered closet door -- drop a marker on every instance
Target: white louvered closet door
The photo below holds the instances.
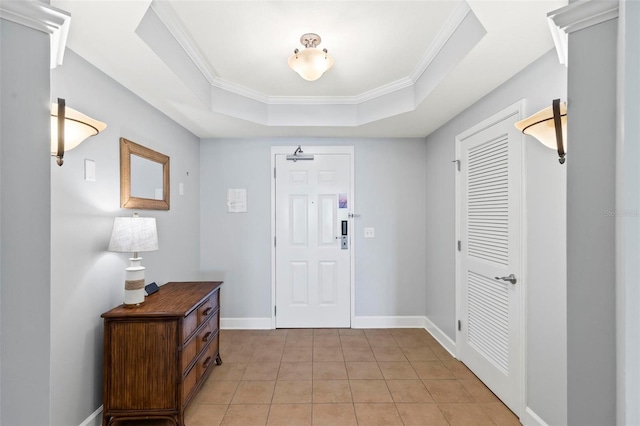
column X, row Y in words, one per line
column 490, row 191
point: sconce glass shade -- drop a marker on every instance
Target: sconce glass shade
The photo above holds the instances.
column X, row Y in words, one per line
column 311, row 63
column 77, row 127
column 541, row 126
column 134, row 234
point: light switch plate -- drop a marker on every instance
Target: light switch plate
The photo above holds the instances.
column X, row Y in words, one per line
column 369, row 232
column 89, row 170
column 181, row 188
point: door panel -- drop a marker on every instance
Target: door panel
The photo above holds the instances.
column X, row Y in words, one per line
column 327, row 220
column 488, row 319
column 298, row 211
column 299, row 283
column 312, row 271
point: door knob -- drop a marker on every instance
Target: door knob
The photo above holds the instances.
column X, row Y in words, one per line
column 511, row 278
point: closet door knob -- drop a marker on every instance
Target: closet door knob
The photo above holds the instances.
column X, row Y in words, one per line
column 511, row 278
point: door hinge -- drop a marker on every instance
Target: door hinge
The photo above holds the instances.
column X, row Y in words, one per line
column 275, row 310
column 459, row 245
column 459, row 325
column 274, row 241
column 274, row 172
column 457, row 164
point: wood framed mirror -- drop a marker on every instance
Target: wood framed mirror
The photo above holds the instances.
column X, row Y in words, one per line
column 144, row 177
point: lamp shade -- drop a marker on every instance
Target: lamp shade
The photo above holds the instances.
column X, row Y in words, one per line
column 311, row 63
column 77, row 127
column 134, row 234
column 541, row 126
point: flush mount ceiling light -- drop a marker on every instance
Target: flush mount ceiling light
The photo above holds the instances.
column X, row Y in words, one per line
column 311, row 62
column 549, row 126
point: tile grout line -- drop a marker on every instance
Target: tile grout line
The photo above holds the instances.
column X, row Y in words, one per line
column 447, row 363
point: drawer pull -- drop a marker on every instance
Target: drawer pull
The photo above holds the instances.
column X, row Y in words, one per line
column 206, row 363
column 207, row 336
column 207, row 311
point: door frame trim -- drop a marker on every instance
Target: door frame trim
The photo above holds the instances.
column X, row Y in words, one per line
column 518, row 109
column 314, row 149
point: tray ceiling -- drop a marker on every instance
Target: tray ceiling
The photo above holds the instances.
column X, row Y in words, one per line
column 219, row 68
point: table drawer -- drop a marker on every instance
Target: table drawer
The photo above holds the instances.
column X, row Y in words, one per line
column 189, row 324
column 200, row 315
column 208, row 358
column 189, row 352
column 208, row 308
column 207, row 333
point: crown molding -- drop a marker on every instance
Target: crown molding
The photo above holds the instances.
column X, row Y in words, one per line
column 168, row 17
column 223, row 84
column 383, row 90
column 577, row 16
column 41, row 17
column 445, row 33
column 460, row 33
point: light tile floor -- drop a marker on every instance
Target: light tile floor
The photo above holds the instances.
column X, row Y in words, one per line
column 341, row 377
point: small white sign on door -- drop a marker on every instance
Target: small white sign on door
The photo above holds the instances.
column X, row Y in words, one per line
column 237, row 200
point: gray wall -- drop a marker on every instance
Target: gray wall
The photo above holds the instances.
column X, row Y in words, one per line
column 86, row 279
column 591, row 189
column 545, row 280
column 24, row 226
column 389, row 191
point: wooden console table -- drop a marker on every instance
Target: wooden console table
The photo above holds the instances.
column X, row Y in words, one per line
column 157, row 356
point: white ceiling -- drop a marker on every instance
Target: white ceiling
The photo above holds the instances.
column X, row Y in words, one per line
column 219, row 68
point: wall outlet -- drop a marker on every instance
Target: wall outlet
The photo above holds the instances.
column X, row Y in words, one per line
column 369, row 232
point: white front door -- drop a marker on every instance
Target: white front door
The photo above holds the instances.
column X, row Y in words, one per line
column 490, row 332
column 313, row 241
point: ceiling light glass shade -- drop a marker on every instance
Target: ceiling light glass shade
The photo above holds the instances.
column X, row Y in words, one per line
column 77, row 127
column 311, row 63
column 540, row 125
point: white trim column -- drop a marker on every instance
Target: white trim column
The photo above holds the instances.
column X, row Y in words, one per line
column 628, row 223
column 586, row 36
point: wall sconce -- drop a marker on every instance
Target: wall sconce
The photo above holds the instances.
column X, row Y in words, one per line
column 549, row 126
column 133, row 235
column 69, row 128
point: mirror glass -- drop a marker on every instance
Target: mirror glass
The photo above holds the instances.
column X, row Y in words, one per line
column 144, row 177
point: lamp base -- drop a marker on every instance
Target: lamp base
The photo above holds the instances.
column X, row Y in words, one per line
column 134, row 284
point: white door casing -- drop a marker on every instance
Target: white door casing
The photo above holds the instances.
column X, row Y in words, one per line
column 312, row 273
column 489, row 205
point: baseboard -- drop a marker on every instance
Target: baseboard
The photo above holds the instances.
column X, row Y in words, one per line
column 245, row 323
column 532, row 419
column 359, row 322
column 95, row 419
column 441, row 337
column 388, row 322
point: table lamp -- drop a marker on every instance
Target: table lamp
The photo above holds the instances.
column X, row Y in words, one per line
column 134, row 234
